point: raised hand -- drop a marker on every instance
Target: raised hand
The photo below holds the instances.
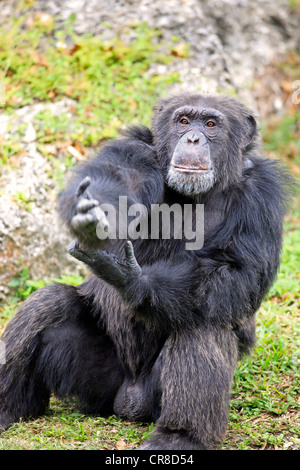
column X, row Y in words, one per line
column 89, row 215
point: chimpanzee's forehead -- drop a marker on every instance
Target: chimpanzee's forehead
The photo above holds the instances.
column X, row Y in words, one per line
column 197, row 111
column 206, row 100
column 223, row 106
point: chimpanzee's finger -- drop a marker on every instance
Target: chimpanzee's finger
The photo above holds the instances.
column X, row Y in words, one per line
column 77, row 253
column 85, row 205
column 130, row 257
column 83, row 185
column 80, row 221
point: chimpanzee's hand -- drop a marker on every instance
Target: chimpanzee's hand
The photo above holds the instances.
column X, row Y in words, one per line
column 115, row 271
column 89, row 216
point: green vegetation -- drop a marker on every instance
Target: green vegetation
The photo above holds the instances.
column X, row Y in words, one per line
column 295, row 4
column 108, row 84
column 63, row 429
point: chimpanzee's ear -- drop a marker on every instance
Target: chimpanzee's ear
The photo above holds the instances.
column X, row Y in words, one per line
column 160, row 106
column 251, row 130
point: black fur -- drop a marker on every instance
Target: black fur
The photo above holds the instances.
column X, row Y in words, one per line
column 159, row 339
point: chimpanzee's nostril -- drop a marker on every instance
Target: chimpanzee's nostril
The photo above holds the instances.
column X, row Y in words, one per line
column 193, row 139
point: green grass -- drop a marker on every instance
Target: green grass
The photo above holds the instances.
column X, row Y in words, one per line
column 64, row 428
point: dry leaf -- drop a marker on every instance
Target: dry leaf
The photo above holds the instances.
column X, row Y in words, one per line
column 120, row 445
column 75, row 153
column 133, row 104
column 180, row 50
column 50, row 148
column 287, row 86
column 14, row 161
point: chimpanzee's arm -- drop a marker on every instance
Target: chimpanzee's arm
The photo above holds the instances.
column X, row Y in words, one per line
column 162, row 293
column 223, row 283
column 123, row 168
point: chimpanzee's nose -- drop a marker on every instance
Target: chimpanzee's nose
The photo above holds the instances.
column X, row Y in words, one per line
column 196, row 138
column 192, row 138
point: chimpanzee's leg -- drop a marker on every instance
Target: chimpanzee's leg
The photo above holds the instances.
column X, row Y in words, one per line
column 53, row 345
column 196, row 380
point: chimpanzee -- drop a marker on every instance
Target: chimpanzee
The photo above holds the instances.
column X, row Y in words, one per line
column 156, row 331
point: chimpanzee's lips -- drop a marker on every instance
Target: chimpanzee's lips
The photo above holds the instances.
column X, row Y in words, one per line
column 186, row 169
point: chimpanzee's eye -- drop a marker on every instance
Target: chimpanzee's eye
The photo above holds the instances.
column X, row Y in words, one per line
column 184, row 120
column 210, row 123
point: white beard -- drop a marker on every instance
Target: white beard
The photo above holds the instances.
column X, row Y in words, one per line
column 191, row 184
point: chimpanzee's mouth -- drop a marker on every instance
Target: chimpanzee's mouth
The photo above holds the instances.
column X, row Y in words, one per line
column 185, row 169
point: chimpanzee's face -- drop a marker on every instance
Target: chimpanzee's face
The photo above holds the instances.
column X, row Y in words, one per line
column 197, row 133
column 203, row 141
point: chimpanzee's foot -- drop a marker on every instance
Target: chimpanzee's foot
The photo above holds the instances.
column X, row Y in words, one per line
column 5, row 421
column 171, row 440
